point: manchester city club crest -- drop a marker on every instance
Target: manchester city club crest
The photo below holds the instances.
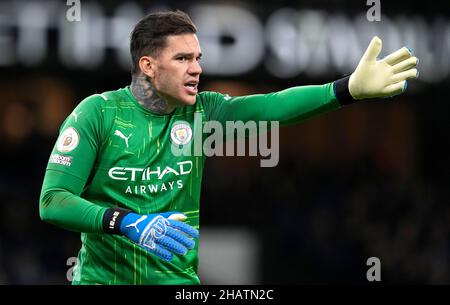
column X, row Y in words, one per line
column 181, row 133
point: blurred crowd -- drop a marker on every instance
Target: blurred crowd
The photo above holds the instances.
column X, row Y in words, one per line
column 349, row 185
column 31, row 252
column 320, row 224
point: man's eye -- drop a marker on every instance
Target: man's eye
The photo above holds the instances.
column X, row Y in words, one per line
column 182, row 58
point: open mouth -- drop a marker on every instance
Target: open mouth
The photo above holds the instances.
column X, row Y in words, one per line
column 191, row 87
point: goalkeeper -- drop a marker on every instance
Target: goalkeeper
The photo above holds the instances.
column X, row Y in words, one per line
column 112, row 175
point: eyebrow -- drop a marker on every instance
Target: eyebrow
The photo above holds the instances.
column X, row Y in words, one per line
column 190, row 55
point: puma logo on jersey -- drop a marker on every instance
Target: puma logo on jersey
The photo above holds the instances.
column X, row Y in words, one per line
column 144, row 217
column 122, row 136
column 75, row 115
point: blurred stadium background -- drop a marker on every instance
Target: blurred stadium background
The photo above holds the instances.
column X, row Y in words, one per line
column 370, row 180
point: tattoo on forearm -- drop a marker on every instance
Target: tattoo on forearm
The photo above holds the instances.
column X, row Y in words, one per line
column 144, row 91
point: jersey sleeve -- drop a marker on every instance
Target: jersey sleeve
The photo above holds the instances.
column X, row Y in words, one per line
column 69, row 168
column 289, row 106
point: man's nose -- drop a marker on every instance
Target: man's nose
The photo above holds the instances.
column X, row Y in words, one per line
column 195, row 68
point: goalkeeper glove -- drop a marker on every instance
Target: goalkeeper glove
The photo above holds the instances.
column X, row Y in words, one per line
column 161, row 234
column 382, row 78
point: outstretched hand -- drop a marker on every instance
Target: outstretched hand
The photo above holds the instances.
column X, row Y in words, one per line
column 382, row 78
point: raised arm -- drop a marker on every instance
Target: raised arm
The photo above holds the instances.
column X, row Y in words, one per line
column 372, row 79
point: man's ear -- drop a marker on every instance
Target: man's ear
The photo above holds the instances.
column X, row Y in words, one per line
column 147, row 65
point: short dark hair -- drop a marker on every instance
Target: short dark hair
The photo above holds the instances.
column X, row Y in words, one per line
column 150, row 33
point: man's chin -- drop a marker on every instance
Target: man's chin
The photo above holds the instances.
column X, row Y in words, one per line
column 181, row 100
column 188, row 101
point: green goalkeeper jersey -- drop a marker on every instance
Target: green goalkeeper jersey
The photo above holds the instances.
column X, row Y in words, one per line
column 113, row 152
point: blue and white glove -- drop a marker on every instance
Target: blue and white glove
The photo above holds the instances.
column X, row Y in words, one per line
column 161, row 234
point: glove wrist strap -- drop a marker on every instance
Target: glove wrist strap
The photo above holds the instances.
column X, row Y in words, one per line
column 112, row 219
column 341, row 91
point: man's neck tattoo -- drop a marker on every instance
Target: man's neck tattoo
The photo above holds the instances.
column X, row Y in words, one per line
column 144, row 91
